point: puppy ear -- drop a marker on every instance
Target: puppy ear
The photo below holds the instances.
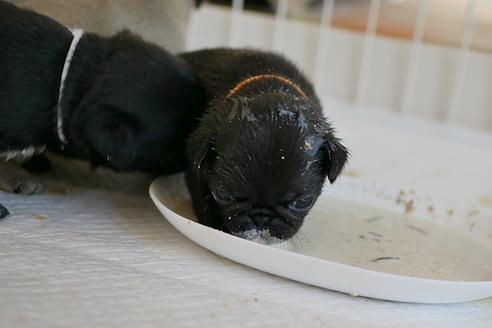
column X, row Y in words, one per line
column 121, row 131
column 336, row 156
column 111, row 134
column 200, row 149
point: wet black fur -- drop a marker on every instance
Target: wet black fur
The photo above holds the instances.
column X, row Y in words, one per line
column 128, row 105
column 259, row 159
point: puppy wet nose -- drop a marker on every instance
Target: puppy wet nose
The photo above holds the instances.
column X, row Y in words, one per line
column 260, row 220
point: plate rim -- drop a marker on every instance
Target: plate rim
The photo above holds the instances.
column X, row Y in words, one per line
column 392, row 277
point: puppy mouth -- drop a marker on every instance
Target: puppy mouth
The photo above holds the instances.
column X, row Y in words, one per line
column 259, row 236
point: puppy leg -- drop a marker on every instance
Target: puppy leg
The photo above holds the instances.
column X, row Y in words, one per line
column 16, row 180
column 3, row 212
column 37, row 164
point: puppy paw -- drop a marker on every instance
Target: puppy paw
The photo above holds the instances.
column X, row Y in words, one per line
column 23, row 186
column 3, row 212
column 37, row 164
column 16, row 180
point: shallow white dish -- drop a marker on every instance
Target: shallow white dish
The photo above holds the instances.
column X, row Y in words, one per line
column 364, row 240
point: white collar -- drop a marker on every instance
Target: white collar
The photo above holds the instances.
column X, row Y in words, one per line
column 77, row 35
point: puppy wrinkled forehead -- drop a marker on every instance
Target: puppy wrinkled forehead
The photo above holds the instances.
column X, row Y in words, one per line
column 292, row 111
column 249, row 154
column 270, row 124
column 242, row 112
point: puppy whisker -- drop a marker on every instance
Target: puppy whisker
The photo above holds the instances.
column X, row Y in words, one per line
column 302, row 237
column 298, row 240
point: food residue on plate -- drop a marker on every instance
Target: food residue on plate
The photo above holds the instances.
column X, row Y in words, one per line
column 182, row 205
column 354, row 234
column 384, row 258
column 41, row 218
column 422, row 231
column 374, row 219
column 406, row 202
column 375, row 234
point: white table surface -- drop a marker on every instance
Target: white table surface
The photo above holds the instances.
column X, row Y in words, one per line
column 102, row 255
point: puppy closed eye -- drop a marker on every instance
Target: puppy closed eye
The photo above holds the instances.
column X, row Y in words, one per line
column 301, row 203
column 223, row 197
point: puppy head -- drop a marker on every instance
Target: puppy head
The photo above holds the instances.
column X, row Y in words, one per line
column 138, row 109
column 264, row 161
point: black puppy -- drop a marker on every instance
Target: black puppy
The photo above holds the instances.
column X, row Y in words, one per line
column 263, row 149
column 124, row 103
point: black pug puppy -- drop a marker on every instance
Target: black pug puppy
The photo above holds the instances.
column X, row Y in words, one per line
column 260, row 156
column 124, row 103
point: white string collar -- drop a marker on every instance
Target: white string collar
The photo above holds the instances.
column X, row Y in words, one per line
column 77, row 35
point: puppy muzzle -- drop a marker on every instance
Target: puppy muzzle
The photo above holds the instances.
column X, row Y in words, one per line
column 260, row 223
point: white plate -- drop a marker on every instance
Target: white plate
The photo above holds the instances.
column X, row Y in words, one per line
column 362, row 240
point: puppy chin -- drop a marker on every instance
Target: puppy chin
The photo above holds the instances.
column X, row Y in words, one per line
column 259, row 236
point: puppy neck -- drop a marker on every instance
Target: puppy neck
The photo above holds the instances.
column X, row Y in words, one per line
column 265, row 77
